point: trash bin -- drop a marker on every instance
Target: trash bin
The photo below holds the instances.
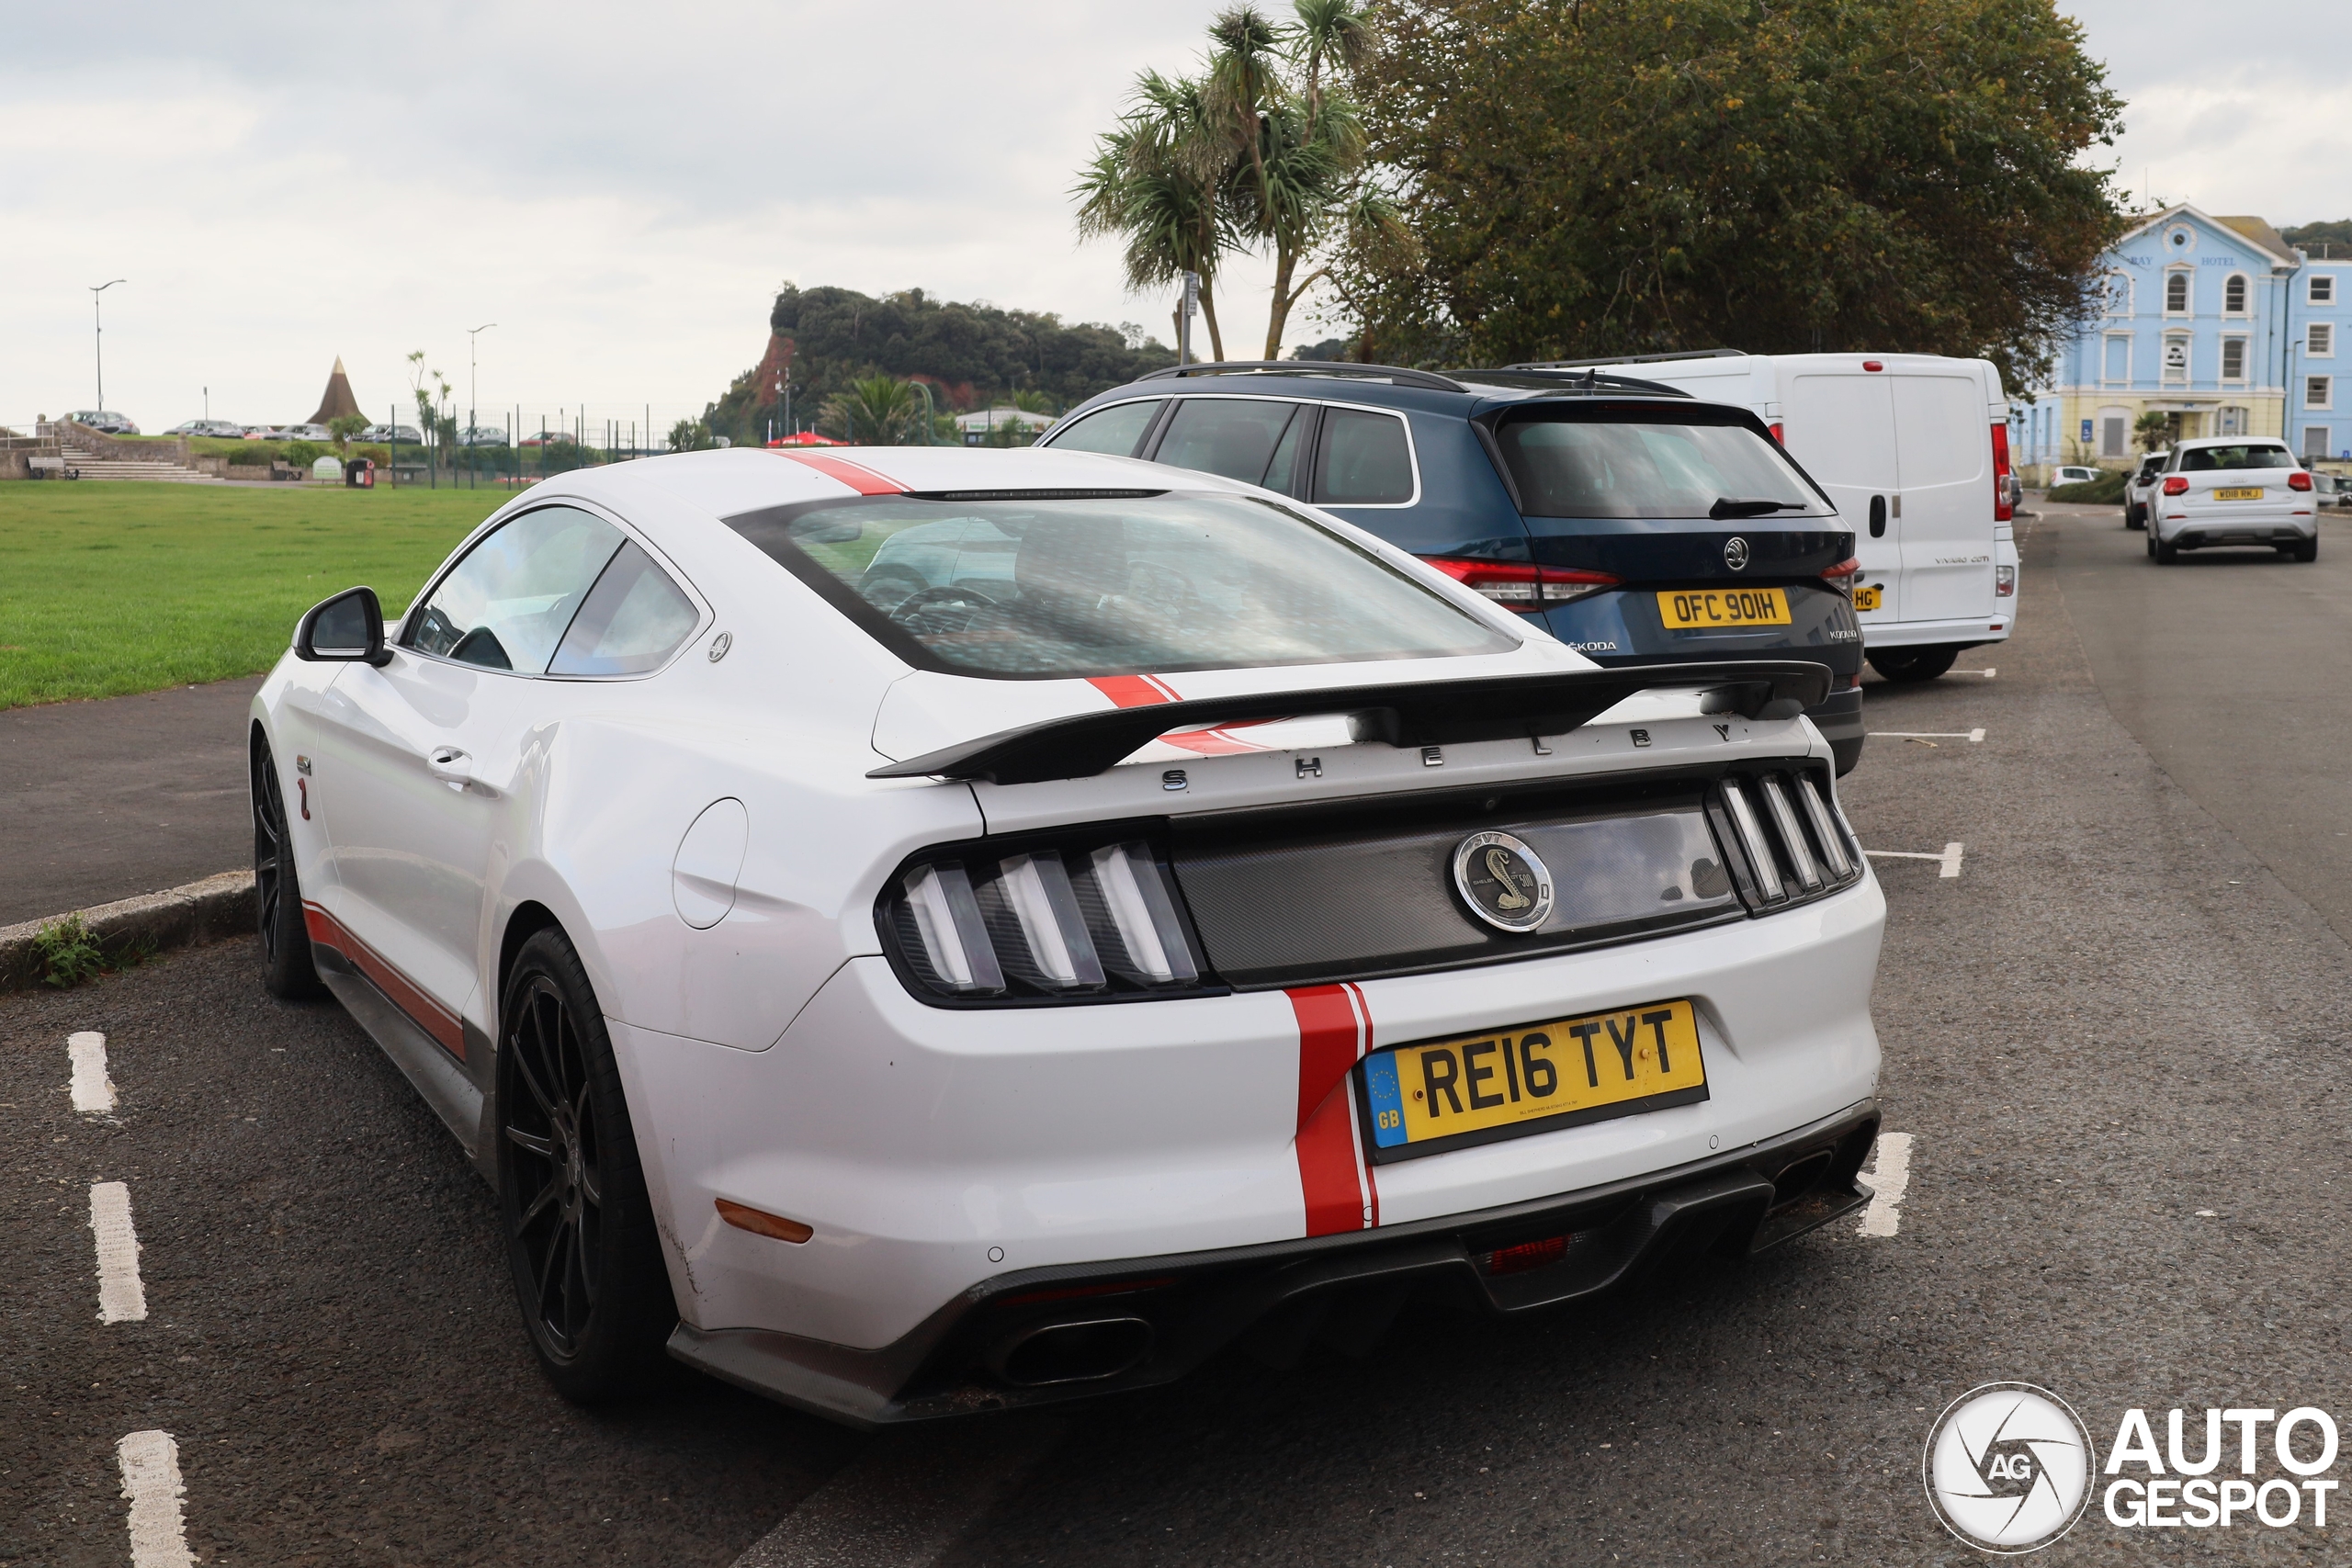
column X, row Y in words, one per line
column 359, row 473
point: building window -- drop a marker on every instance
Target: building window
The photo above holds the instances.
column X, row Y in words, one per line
column 2176, row 361
column 2315, row 441
column 2323, row 288
column 2118, row 293
column 2115, row 367
column 2229, row 421
column 2319, row 392
column 2176, row 294
column 2111, row 428
column 2234, row 294
column 2319, row 340
column 2233, row 360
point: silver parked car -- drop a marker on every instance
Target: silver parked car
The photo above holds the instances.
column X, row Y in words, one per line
column 2141, row 487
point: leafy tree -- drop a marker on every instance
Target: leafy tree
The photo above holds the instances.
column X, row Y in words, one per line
column 876, row 411
column 1622, row 176
column 343, row 427
column 690, row 435
column 1154, row 182
column 2337, row 231
column 1033, row 402
column 2153, row 429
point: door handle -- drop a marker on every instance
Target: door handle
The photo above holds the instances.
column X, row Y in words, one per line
column 450, row 765
column 1878, row 518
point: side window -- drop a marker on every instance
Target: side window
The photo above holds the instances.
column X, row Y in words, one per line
column 1233, row 436
column 1114, row 431
column 634, row 618
column 1364, row 461
column 506, row 604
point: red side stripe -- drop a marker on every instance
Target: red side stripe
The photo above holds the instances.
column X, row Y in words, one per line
column 1129, row 691
column 1333, row 1034
column 857, row 476
column 399, row 989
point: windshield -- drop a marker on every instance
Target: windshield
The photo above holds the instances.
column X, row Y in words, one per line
column 1650, row 467
column 1079, row 586
column 2207, row 459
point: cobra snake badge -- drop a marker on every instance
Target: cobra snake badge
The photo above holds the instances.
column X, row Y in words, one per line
column 1499, row 867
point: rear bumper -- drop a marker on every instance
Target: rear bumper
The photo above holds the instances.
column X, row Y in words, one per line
column 1045, row 1335
column 1839, row 719
column 2198, row 533
column 1968, row 633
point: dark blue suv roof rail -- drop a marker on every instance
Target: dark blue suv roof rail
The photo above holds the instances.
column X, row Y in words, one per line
column 1630, row 359
column 1392, row 372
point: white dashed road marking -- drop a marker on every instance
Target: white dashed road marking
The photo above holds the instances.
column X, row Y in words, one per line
column 150, row 1480
column 92, row 1090
column 1889, row 1178
column 1950, row 859
column 1971, row 736
column 122, row 1298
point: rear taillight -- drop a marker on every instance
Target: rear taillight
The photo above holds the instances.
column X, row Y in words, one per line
column 1795, row 844
column 1051, row 922
column 2005, row 583
column 1517, row 585
column 2175, row 485
column 1841, row 576
column 1779, row 432
column 2298, row 480
column 2002, row 511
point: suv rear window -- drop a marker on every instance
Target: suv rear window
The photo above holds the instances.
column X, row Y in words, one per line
column 1050, row 588
column 1644, row 466
column 2207, row 459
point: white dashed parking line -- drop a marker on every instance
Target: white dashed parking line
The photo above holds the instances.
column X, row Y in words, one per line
column 92, row 1090
column 151, row 1482
column 1971, row 736
column 121, row 1297
column 1950, row 859
column 1889, row 1178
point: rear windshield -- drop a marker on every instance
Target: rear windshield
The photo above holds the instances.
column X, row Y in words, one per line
column 2207, row 459
column 1058, row 587
column 1647, row 466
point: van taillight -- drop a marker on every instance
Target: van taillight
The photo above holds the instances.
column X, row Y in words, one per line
column 1517, row 585
column 2002, row 511
column 1780, row 433
column 2175, row 485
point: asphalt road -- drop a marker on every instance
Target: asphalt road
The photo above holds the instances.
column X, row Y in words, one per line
column 103, row 800
column 2117, row 1016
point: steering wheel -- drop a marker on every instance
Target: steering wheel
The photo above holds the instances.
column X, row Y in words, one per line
column 923, row 599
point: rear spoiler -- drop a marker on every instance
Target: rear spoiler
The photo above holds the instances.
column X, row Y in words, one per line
column 1417, row 713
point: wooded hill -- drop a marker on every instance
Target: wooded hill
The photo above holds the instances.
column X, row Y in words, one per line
column 974, row 355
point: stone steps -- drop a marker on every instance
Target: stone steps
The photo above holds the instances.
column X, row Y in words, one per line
column 155, row 470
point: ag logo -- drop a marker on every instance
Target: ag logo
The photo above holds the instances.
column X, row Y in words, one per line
column 1735, row 553
column 1502, row 880
column 2008, row 1467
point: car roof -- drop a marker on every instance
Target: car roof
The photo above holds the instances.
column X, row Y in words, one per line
column 1386, row 385
column 2230, row 441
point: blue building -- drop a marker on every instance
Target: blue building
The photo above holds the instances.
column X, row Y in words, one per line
column 2219, row 325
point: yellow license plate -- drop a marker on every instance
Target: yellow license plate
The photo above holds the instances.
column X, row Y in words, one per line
column 1536, row 1077
column 1867, row 598
column 1723, row 608
column 2243, row 492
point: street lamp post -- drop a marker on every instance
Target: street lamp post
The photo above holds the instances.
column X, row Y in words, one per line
column 100, row 337
column 473, row 390
column 929, row 409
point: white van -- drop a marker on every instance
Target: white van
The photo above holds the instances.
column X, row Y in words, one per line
column 1915, row 450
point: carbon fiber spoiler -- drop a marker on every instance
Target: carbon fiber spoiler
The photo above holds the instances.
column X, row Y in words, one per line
column 1417, row 713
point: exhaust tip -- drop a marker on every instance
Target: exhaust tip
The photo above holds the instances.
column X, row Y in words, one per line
column 1074, row 1352
column 1800, row 1178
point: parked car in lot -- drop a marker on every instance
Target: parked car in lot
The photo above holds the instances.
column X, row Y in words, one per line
column 2140, row 488
column 1633, row 523
column 2072, row 474
column 1198, row 917
column 104, row 421
column 482, row 435
column 2234, row 490
column 406, row 434
column 1915, row 450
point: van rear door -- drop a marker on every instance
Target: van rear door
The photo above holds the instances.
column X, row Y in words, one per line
column 1944, row 458
column 1840, row 424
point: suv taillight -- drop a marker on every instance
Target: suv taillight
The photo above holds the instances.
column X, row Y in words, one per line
column 2299, row 480
column 1841, row 576
column 2002, row 510
column 2175, row 485
column 1517, row 585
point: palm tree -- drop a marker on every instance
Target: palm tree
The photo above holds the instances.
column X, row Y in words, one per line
column 1155, row 181
column 876, row 411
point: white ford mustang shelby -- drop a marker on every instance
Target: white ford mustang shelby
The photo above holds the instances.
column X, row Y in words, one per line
column 927, row 931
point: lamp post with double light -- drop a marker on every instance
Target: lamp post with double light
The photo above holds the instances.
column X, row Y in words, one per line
column 99, row 336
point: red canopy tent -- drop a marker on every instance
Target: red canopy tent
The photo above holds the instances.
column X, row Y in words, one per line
column 807, row 438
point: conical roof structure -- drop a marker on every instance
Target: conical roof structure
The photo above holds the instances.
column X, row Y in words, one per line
column 338, row 400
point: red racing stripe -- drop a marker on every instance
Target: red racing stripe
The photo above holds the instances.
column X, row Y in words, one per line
column 399, row 989
column 857, row 476
column 1129, row 691
column 1334, row 1032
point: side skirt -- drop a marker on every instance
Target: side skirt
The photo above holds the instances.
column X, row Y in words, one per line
column 437, row 1076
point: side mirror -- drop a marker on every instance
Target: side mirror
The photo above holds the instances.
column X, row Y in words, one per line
column 349, row 627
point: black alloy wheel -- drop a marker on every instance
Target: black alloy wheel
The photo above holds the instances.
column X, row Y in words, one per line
column 580, row 1233
column 1911, row 663
column 287, row 970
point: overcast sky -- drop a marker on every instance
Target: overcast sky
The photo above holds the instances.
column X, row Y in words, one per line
column 621, row 188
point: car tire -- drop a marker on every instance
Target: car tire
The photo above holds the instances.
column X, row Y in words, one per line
column 2307, row 550
column 2135, row 517
column 1911, row 663
column 287, row 970
column 581, row 1242
column 2166, row 554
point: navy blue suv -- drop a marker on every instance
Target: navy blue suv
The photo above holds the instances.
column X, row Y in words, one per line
column 1643, row 526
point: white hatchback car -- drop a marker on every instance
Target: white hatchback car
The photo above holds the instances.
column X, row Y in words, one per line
column 922, row 931
column 2234, row 490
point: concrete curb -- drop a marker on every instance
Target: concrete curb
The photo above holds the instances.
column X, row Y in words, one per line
column 178, row 916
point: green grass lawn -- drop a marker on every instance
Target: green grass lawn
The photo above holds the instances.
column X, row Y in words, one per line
column 111, row 587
